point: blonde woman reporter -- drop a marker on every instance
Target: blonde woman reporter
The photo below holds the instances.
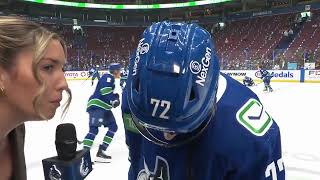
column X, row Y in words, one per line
column 31, row 85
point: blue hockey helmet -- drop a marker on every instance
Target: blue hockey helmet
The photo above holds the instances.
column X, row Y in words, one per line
column 114, row 67
column 173, row 80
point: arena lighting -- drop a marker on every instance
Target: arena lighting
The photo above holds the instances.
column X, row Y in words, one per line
column 124, row 6
column 99, row 20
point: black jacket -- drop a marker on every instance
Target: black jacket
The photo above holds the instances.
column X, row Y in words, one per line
column 16, row 138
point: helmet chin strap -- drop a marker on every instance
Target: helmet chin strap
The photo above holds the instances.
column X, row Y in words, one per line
column 190, row 136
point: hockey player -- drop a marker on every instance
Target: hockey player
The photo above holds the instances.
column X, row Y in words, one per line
column 94, row 73
column 247, row 81
column 124, row 76
column 133, row 137
column 197, row 123
column 100, row 114
column 266, row 78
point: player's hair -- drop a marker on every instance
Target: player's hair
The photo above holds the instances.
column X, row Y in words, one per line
column 17, row 34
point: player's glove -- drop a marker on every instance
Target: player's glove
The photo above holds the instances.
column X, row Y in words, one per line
column 115, row 103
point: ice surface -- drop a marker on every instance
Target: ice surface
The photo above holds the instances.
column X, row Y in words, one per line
column 294, row 106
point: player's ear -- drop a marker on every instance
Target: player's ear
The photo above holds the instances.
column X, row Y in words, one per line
column 3, row 77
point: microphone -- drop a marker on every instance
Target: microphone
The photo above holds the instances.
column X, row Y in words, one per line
column 69, row 164
column 66, row 141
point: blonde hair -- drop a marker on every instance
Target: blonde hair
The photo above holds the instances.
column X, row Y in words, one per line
column 17, row 34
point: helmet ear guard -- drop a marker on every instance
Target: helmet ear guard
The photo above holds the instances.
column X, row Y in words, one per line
column 172, row 82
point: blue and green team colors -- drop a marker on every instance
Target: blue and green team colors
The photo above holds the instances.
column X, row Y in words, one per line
column 103, row 94
column 242, row 141
column 124, row 6
column 99, row 103
column 106, row 90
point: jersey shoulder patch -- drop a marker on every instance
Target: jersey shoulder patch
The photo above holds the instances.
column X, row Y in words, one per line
column 254, row 118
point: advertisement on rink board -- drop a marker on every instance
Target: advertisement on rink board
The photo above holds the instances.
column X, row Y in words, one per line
column 310, row 66
column 79, row 75
column 278, row 75
column 312, row 76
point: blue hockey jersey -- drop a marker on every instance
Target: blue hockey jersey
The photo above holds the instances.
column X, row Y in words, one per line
column 93, row 71
column 133, row 137
column 247, row 81
column 123, row 79
column 242, row 142
column 265, row 74
column 103, row 95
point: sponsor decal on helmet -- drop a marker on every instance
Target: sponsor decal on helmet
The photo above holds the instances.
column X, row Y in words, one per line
column 143, row 48
column 201, row 70
column 195, row 67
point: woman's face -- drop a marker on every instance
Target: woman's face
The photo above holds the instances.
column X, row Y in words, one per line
column 22, row 87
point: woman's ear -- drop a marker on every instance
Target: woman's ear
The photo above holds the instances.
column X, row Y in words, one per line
column 3, row 77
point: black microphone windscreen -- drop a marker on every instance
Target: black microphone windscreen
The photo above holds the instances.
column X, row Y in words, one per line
column 66, row 131
column 66, row 141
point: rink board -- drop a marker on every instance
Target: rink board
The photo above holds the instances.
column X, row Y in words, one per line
column 79, row 75
column 278, row 75
column 308, row 76
column 312, row 76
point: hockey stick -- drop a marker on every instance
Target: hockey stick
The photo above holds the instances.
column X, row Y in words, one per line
column 85, row 80
column 256, row 84
column 99, row 162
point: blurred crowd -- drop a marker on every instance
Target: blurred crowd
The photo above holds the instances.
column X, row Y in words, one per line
column 270, row 41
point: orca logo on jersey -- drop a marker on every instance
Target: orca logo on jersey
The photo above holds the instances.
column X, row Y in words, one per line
column 84, row 168
column 54, row 173
column 161, row 171
column 143, row 48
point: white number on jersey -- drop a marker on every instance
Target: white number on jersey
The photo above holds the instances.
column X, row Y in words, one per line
column 272, row 170
column 163, row 103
